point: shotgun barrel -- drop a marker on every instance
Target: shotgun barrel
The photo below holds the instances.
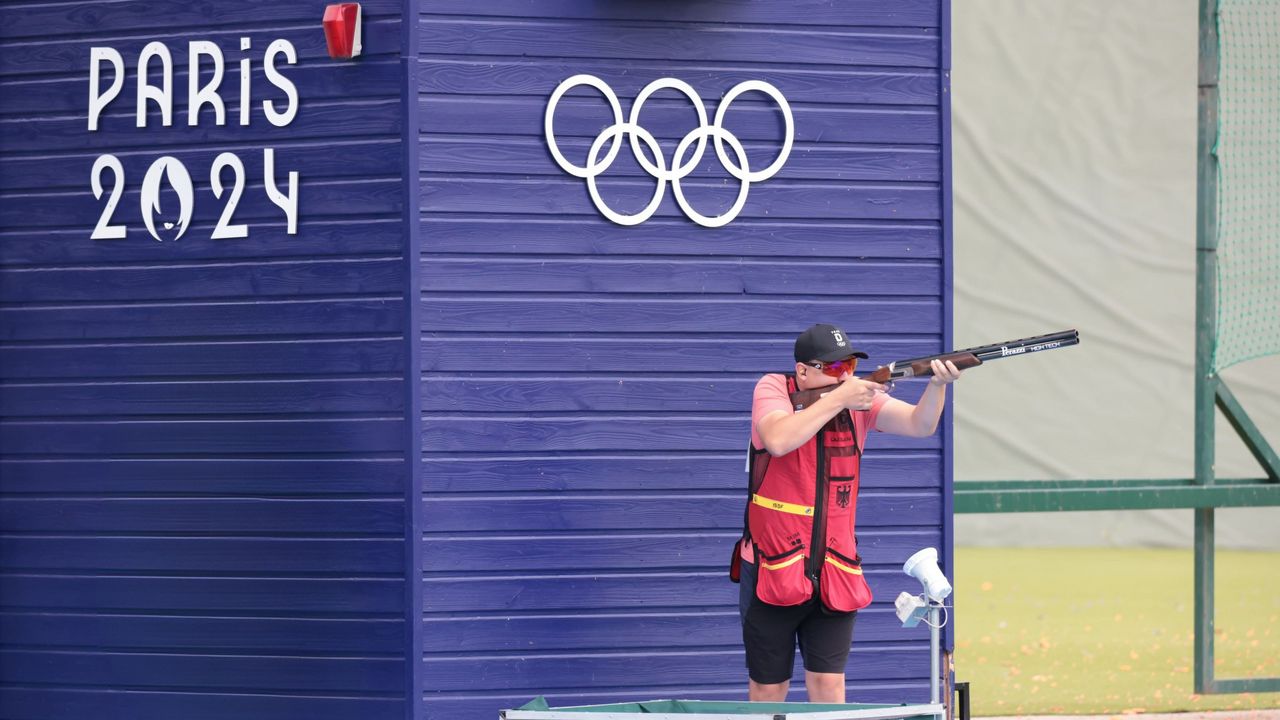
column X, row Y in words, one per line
column 967, row 358
column 971, row 357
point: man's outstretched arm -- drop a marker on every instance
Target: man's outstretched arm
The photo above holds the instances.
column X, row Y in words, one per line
column 919, row 420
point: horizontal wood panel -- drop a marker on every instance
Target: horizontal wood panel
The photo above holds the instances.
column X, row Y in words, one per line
column 248, row 476
column 200, row 554
column 381, row 36
column 595, row 394
column 585, row 315
column 267, row 596
column 358, row 158
column 40, row 703
column 703, row 355
column 589, row 275
column 644, row 513
column 529, row 155
column 583, row 394
column 922, row 13
column 234, row 672
column 657, row 471
column 468, row 117
column 315, row 81
column 517, row 434
column 845, row 86
column 315, row 238
column 634, row 670
column 624, row 588
column 169, row 437
column 195, row 359
column 187, row 397
column 495, row 235
column 59, row 135
column 43, row 19
column 201, row 515
column 297, row 317
column 915, row 47
column 63, row 209
column 619, row 591
column 555, row 195
column 616, row 550
column 244, row 634
column 172, row 282
column 709, row 629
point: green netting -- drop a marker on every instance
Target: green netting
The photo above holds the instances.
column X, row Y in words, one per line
column 1248, row 206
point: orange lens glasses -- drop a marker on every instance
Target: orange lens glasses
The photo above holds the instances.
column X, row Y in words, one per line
column 836, row 368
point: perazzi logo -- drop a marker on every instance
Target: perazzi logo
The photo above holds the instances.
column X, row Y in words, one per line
column 1006, row 352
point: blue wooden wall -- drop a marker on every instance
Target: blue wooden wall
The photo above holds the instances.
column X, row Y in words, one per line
column 202, row 448
column 205, row 505
column 586, row 386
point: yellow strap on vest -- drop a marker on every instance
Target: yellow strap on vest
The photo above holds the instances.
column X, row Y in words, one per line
column 765, row 502
column 789, row 561
column 841, row 566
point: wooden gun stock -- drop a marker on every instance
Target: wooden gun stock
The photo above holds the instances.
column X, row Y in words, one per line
column 922, row 367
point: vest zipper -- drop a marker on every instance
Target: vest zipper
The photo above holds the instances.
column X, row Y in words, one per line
column 818, row 543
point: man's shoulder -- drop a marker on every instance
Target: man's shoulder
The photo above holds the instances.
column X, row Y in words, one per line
column 772, row 381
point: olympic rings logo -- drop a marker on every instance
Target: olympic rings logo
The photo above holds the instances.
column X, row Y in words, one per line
column 680, row 168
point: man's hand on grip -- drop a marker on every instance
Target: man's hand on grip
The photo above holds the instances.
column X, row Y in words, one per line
column 857, row 394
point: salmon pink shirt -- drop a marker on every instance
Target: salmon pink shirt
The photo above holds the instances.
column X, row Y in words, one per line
column 771, row 394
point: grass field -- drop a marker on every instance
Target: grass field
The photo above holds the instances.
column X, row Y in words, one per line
column 1104, row 630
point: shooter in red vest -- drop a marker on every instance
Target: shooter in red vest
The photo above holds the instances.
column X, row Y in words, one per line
column 800, row 568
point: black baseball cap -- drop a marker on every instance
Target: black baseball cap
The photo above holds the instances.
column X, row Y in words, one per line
column 825, row 343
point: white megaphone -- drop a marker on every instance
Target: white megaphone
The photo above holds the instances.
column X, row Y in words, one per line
column 923, row 566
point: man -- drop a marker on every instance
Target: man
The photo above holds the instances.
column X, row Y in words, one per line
column 801, row 573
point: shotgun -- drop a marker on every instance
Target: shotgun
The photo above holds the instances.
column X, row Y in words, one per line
column 970, row 357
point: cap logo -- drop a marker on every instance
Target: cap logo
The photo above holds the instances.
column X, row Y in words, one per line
column 838, row 338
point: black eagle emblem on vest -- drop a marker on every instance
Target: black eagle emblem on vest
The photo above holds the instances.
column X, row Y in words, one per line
column 842, row 495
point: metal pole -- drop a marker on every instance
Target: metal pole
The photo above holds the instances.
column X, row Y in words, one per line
column 935, row 656
column 1206, row 335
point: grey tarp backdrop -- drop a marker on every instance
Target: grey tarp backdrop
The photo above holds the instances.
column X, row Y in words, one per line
column 1075, row 177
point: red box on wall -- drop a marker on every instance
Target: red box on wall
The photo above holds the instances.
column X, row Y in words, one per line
column 342, row 30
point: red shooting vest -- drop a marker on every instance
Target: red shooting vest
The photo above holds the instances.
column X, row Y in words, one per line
column 800, row 518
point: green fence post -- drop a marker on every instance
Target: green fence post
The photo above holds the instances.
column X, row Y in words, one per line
column 1206, row 332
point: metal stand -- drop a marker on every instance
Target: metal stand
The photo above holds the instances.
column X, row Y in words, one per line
column 935, row 655
column 935, row 661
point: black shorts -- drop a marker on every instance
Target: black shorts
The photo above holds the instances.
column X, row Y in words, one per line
column 770, row 632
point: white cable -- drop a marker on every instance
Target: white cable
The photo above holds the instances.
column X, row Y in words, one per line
column 942, row 623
